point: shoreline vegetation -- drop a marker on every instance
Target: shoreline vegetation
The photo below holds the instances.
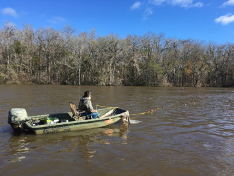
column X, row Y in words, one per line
column 68, row 57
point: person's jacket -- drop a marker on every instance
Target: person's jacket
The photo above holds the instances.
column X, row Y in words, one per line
column 85, row 104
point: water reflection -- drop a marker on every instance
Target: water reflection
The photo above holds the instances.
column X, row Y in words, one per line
column 86, row 143
column 81, row 142
column 17, row 159
column 18, row 147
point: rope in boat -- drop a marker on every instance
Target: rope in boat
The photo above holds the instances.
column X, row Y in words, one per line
column 158, row 108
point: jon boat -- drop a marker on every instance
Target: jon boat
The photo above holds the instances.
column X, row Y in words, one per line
column 69, row 121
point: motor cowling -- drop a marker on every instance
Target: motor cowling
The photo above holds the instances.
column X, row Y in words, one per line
column 16, row 117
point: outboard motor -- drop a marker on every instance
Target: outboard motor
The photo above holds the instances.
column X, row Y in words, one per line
column 16, row 118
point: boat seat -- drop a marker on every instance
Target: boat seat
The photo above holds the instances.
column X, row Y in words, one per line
column 75, row 114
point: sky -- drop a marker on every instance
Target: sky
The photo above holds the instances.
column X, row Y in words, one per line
column 202, row 20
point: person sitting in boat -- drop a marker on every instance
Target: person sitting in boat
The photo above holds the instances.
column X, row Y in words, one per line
column 85, row 106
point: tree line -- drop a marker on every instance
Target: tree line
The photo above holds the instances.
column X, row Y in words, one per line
column 50, row 56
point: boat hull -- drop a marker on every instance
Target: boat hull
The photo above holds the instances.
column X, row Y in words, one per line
column 74, row 125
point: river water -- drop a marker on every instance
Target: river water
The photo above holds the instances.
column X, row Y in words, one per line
column 191, row 132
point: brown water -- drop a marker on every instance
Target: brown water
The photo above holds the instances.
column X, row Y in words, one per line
column 191, row 139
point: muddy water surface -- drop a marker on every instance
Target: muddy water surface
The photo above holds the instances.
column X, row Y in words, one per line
column 187, row 134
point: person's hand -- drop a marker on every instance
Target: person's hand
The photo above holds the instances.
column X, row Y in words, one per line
column 95, row 110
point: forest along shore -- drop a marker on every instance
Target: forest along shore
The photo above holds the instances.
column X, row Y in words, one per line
column 50, row 56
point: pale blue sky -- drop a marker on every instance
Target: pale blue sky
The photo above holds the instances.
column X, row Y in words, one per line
column 204, row 20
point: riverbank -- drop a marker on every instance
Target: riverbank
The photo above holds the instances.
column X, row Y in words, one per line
column 167, row 85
